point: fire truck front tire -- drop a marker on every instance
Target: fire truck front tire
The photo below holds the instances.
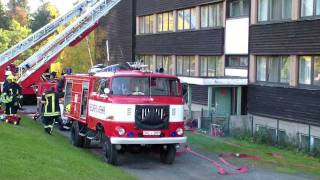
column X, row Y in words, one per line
column 76, row 139
column 110, row 151
column 168, row 154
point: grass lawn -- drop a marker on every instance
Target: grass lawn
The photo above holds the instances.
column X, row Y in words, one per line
column 26, row 152
column 287, row 161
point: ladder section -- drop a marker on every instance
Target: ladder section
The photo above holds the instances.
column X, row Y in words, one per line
column 62, row 40
column 44, row 32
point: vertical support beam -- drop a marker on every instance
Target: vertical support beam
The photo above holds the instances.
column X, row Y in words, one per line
column 137, row 25
column 252, row 69
column 154, row 57
column 198, row 18
column 295, row 9
column 155, row 24
column 197, row 68
column 175, row 21
column 239, row 98
column 210, row 92
column 294, row 71
column 254, row 12
column 190, row 100
column 224, row 14
column 220, row 69
column 174, row 64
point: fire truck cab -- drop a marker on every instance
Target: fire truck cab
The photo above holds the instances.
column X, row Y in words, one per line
column 124, row 109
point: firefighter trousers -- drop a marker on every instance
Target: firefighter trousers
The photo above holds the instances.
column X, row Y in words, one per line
column 11, row 108
column 48, row 122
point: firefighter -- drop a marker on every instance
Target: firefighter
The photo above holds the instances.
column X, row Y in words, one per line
column 51, row 111
column 12, row 96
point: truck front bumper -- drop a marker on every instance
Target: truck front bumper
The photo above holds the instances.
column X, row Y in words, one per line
column 164, row 140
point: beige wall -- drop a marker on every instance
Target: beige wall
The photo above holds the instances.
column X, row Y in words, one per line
column 174, row 64
column 221, row 66
column 137, row 26
column 294, row 71
column 197, row 69
column 252, row 69
column 254, row 12
column 295, row 9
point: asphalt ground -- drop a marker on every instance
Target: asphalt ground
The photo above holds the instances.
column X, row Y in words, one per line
column 147, row 165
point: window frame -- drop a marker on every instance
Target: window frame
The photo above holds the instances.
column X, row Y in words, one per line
column 183, row 63
column 269, row 20
column 170, row 14
column 267, row 76
column 314, row 11
column 143, row 57
column 228, row 11
column 236, row 67
column 207, row 67
column 312, row 72
column 166, row 71
column 142, row 23
column 183, row 20
column 220, row 5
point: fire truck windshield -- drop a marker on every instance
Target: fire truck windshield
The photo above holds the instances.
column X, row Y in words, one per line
column 141, row 86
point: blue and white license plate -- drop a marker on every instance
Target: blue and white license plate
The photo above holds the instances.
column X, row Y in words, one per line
column 151, row 133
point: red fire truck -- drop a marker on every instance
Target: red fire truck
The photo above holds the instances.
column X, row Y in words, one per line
column 125, row 109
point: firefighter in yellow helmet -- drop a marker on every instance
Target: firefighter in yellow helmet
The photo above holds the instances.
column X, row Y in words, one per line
column 11, row 96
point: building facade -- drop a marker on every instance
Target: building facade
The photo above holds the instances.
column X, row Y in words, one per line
column 284, row 73
column 193, row 39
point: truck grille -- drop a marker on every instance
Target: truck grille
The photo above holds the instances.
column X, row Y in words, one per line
column 152, row 117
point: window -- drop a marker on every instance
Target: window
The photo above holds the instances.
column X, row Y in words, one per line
column 146, row 24
column 238, row 8
column 310, row 8
column 147, row 60
column 309, row 70
column 67, row 97
column 208, row 65
column 274, row 69
column 164, row 62
column 211, row 15
column 274, row 10
column 237, row 61
column 187, row 19
column 85, row 91
column 186, row 65
column 165, row 22
column 141, row 86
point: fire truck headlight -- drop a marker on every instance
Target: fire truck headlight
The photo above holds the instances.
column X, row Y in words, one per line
column 121, row 131
column 179, row 131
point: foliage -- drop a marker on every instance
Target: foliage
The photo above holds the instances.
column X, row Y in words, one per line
column 28, row 153
column 45, row 14
column 18, row 10
column 4, row 19
column 13, row 35
column 78, row 57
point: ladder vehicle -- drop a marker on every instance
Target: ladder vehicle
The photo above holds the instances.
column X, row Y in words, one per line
column 126, row 109
column 80, row 21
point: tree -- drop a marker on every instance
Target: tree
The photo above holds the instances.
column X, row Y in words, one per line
column 13, row 35
column 4, row 19
column 18, row 10
column 45, row 14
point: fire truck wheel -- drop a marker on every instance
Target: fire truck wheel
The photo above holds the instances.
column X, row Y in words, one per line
column 110, row 151
column 168, row 155
column 76, row 139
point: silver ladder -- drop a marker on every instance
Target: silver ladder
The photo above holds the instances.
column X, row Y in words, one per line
column 44, row 32
column 63, row 39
